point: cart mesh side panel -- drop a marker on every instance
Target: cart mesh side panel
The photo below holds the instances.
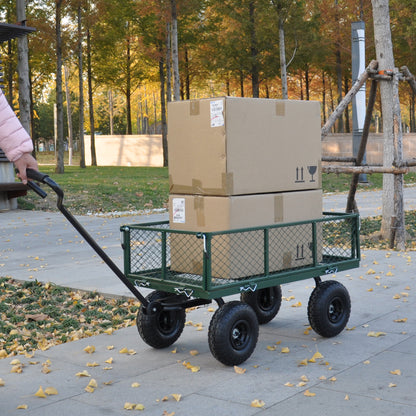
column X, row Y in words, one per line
column 158, row 255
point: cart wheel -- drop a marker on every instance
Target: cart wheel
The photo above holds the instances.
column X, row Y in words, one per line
column 265, row 302
column 329, row 308
column 163, row 328
column 233, row 333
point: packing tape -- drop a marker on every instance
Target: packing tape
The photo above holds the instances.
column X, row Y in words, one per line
column 280, row 108
column 194, row 108
column 287, row 260
column 199, row 210
column 278, row 208
column 197, row 188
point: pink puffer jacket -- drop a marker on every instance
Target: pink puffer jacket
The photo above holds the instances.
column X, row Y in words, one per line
column 14, row 139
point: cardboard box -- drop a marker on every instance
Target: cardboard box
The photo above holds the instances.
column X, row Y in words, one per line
column 237, row 146
column 241, row 254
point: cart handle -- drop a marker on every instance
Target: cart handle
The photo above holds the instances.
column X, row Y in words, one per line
column 44, row 178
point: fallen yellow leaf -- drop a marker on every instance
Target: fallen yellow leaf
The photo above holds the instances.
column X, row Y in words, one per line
column 303, row 362
column 15, row 362
column 109, row 361
column 177, row 397
column 51, row 391
column 346, row 397
column 401, row 320
column 257, row 403
column 392, row 385
column 194, row 352
column 129, row 406
column 89, row 349
column 289, row 384
column 316, row 356
column 371, row 271
column 301, row 384
column 22, row 406
column 396, row 372
column 3, row 353
column 17, row 369
column 94, row 364
column 239, row 370
column 271, row 347
column 304, row 378
column 174, row 351
column 1, row 382
column 309, row 394
column 139, row 406
column 135, row 384
column 376, row 334
column 124, row 351
column 285, row 350
column 333, row 379
column 40, row 393
column 84, row 373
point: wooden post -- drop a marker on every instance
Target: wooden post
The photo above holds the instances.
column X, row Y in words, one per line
column 399, row 234
column 347, row 99
column 351, row 204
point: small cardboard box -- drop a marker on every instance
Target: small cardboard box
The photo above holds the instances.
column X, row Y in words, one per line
column 237, row 146
column 241, row 254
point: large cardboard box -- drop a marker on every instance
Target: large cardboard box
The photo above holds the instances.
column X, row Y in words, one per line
column 237, row 146
column 241, row 254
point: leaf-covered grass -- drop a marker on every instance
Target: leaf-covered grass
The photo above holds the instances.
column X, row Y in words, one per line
column 38, row 316
column 104, row 189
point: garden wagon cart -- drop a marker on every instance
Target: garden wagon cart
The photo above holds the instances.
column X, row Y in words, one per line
column 187, row 269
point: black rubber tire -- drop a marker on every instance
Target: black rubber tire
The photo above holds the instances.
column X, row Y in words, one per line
column 265, row 302
column 162, row 329
column 233, row 333
column 329, row 308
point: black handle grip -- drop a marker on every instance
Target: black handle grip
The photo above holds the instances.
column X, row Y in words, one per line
column 35, row 187
column 36, row 175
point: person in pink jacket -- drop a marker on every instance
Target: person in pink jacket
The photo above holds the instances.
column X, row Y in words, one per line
column 15, row 141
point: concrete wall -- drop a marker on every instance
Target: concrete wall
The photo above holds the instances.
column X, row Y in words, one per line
column 142, row 150
column 134, row 150
column 341, row 145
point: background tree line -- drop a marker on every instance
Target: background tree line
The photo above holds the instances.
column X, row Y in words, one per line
column 121, row 61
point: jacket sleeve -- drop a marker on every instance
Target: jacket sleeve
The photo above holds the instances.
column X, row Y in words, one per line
column 14, row 139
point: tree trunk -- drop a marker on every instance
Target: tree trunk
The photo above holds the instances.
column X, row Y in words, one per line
column 385, row 58
column 255, row 81
column 307, row 83
column 163, row 110
column 81, row 90
column 168, row 64
column 323, row 97
column 23, row 70
column 59, row 99
column 282, row 50
column 128, row 89
column 111, row 112
column 347, row 113
column 187, row 76
column 69, row 116
column 175, row 53
column 91, row 100
column 10, row 74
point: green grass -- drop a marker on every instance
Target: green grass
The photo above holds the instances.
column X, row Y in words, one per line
column 104, row 189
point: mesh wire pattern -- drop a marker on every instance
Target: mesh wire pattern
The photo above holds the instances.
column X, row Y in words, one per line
column 233, row 255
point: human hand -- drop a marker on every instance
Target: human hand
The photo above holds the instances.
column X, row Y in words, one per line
column 24, row 162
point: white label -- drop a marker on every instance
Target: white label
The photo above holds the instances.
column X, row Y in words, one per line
column 217, row 116
column 178, row 206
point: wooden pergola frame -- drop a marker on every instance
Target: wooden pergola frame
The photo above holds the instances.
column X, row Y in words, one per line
column 399, row 166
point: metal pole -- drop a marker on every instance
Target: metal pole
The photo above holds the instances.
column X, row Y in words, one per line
column 358, row 102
